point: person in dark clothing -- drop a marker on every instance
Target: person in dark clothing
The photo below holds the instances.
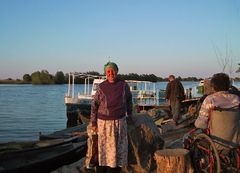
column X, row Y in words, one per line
column 174, row 95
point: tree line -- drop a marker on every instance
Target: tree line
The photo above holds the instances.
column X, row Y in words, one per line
column 44, row 77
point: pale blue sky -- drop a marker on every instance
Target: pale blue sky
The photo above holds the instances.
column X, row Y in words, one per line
column 158, row 37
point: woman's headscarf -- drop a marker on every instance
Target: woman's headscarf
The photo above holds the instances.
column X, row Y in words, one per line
column 112, row 65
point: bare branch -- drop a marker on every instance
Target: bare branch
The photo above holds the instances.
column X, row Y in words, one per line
column 226, row 60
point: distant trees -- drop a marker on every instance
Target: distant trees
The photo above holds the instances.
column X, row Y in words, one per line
column 190, row 79
column 42, row 77
column 93, row 73
column 27, row 78
column 143, row 77
column 59, row 78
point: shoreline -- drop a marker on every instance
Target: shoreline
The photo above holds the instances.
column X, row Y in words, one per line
column 7, row 81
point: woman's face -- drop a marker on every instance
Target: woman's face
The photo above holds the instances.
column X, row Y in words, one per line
column 111, row 74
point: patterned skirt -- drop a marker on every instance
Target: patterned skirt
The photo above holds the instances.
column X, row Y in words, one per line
column 112, row 142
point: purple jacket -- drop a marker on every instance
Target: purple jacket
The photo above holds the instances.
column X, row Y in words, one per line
column 112, row 101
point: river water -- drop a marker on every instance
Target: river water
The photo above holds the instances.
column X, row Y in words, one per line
column 26, row 110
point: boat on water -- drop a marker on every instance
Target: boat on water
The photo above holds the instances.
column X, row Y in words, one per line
column 45, row 155
column 78, row 106
column 145, row 96
column 67, row 133
column 40, row 156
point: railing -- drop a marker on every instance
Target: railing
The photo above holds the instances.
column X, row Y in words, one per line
column 87, row 89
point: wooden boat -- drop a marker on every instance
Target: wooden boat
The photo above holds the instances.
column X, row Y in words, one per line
column 67, row 133
column 40, row 156
column 50, row 152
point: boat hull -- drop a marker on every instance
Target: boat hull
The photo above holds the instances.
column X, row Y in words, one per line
column 44, row 158
column 74, row 112
column 66, row 133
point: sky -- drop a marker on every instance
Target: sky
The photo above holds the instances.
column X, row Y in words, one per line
column 187, row 38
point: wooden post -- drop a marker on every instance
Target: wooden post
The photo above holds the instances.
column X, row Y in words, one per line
column 173, row 161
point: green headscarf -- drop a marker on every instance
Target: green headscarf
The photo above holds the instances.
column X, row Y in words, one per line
column 112, row 65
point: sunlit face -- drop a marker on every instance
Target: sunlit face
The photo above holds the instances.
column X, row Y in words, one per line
column 111, row 74
column 170, row 79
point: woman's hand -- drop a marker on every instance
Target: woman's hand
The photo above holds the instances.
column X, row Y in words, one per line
column 94, row 129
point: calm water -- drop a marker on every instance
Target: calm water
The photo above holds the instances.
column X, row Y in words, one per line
column 26, row 110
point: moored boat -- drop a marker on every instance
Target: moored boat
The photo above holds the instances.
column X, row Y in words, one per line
column 40, row 156
column 145, row 96
column 80, row 104
column 67, row 133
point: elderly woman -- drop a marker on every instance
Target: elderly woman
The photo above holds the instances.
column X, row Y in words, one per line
column 111, row 105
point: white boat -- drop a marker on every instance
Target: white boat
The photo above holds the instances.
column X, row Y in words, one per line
column 86, row 97
column 145, row 96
